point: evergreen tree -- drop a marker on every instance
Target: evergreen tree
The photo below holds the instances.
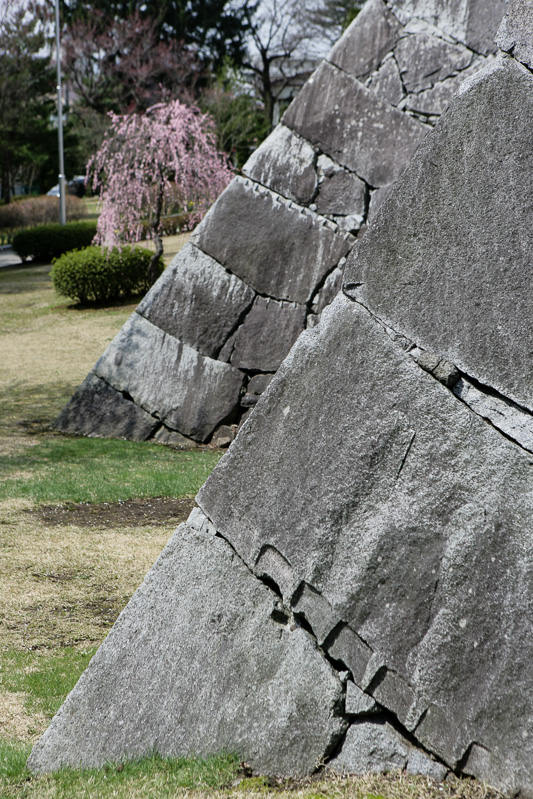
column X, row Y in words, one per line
column 27, row 84
column 215, row 28
column 334, row 16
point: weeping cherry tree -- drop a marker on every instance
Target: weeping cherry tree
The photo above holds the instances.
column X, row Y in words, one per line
column 150, row 165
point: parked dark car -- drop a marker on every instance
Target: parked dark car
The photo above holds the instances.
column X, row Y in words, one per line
column 75, row 186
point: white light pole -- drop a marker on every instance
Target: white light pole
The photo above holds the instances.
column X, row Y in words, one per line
column 62, row 187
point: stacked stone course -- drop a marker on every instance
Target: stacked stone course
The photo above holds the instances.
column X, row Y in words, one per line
column 268, row 257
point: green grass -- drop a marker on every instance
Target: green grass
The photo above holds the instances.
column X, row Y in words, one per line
column 13, row 758
column 153, row 776
column 45, row 679
column 102, row 470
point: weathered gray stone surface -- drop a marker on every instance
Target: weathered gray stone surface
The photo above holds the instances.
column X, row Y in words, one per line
column 259, row 383
column 366, row 43
column 419, row 763
column 286, row 164
column 350, row 124
column 277, row 248
column 173, row 439
column 197, row 301
column 435, row 100
column 359, row 703
column 266, row 335
column 224, row 435
column 386, row 82
column 170, row 380
column 405, row 512
column 473, row 22
column 423, row 60
column 499, row 411
column 482, row 21
column 515, row 34
column 208, row 670
column 376, row 747
column 121, row 418
column 377, row 199
column 328, row 292
column 441, row 369
column 434, row 287
column 371, row 747
column 341, row 193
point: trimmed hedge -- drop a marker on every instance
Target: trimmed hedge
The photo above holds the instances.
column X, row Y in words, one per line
column 97, row 275
column 45, row 242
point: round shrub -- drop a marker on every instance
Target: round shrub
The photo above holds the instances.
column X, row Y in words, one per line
column 98, row 275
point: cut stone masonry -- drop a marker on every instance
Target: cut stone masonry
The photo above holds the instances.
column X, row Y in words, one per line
column 282, row 232
column 356, row 586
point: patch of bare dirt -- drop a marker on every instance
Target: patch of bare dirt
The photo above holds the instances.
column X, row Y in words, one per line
column 130, row 513
column 16, row 722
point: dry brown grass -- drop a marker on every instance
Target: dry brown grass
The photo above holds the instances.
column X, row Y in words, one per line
column 59, row 585
column 396, row 785
column 16, row 723
column 65, row 585
column 47, row 349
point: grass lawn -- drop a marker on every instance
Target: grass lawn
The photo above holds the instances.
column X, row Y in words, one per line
column 81, row 521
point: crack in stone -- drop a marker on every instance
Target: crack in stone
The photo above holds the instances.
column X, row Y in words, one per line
column 238, row 323
column 320, row 285
column 126, row 396
column 375, row 671
column 258, row 188
column 407, row 451
column 511, row 420
column 507, row 417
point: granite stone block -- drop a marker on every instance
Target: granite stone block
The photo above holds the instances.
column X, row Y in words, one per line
column 266, row 334
column 424, row 60
column 515, row 34
column 118, row 416
column 306, row 246
column 352, row 125
column 367, row 41
column 197, row 301
column 285, row 163
column 173, row 382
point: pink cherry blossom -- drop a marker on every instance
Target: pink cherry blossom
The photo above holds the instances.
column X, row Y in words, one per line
column 155, row 164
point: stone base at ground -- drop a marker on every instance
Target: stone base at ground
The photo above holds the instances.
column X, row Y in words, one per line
column 213, row 667
column 119, row 416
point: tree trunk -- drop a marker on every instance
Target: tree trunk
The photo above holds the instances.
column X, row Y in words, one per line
column 153, row 271
column 6, row 182
column 154, row 260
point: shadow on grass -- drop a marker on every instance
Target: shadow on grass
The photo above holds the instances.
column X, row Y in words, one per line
column 98, row 305
column 65, row 469
column 25, row 277
column 32, row 409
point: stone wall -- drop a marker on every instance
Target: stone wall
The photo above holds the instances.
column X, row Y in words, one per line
column 269, row 255
column 356, row 586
